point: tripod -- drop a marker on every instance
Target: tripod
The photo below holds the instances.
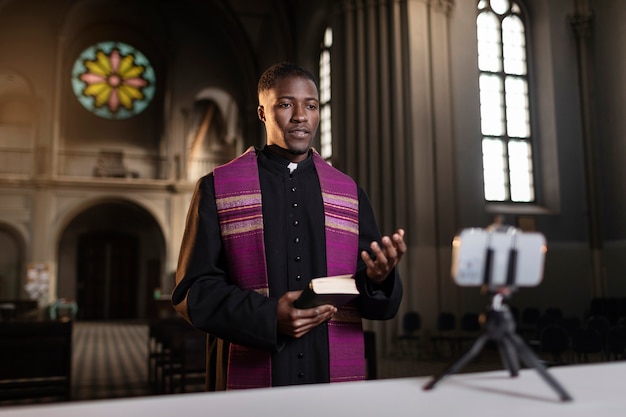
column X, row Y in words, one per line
column 500, row 327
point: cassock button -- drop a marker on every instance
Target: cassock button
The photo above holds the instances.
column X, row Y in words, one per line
column 296, row 240
column 300, row 355
column 298, row 277
column 294, row 205
column 295, row 222
column 300, row 374
column 293, row 189
column 297, row 258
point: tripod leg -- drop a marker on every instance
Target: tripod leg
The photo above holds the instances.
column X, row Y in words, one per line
column 530, row 360
column 460, row 363
column 508, row 353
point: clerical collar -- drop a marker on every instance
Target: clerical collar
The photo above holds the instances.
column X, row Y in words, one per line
column 283, row 166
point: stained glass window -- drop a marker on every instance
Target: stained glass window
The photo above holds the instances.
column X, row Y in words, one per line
column 113, row 80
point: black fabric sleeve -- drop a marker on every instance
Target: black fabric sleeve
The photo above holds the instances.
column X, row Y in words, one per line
column 214, row 303
column 376, row 302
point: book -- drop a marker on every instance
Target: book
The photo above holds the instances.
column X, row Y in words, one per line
column 336, row 290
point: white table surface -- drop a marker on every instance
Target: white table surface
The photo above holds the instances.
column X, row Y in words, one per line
column 598, row 390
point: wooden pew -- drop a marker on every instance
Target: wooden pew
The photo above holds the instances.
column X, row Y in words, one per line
column 20, row 310
column 35, row 361
column 165, row 338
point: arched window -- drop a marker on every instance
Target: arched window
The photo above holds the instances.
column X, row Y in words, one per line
column 504, row 102
column 326, row 136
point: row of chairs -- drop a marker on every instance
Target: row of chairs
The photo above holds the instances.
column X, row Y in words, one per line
column 567, row 338
column 560, row 339
column 572, row 340
column 448, row 336
column 176, row 356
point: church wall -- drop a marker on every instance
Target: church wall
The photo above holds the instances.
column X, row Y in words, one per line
column 28, row 47
column 609, row 57
column 556, row 111
column 85, row 25
column 609, row 68
column 425, row 93
column 186, row 43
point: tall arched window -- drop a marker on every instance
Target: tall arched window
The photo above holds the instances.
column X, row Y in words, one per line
column 504, row 103
column 326, row 136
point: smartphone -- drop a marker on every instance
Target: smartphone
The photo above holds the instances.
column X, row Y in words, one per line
column 498, row 257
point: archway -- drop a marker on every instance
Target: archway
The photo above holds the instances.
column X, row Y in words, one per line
column 111, row 258
column 213, row 132
column 11, row 264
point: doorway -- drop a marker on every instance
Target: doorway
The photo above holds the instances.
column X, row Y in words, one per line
column 107, row 276
column 110, row 260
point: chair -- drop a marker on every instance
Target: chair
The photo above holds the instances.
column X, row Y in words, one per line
column 160, row 336
column 555, row 312
column 528, row 322
column 545, row 320
column 554, row 339
column 571, row 324
column 587, row 341
column 410, row 337
column 185, row 363
column 601, row 324
column 446, row 327
column 189, row 363
column 616, row 342
column 470, row 328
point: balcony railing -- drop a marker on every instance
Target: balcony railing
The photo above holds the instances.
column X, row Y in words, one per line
column 109, row 163
column 25, row 162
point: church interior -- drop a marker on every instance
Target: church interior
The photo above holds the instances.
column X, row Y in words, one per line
column 451, row 114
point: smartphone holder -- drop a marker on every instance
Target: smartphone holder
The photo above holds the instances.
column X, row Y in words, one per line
column 498, row 321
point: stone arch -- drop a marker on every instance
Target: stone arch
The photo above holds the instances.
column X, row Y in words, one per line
column 12, row 262
column 111, row 254
column 214, row 133
column 16, row 99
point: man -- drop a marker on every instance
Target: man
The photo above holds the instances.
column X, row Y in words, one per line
column 260, row 228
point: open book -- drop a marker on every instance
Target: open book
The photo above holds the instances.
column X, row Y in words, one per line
column 336, row 290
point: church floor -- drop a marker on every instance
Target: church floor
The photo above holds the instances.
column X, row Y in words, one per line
column 110, row 361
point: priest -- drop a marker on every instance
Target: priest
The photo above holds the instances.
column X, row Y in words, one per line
column 259, row 228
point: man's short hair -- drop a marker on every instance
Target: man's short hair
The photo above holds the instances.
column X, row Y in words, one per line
column 282, row 70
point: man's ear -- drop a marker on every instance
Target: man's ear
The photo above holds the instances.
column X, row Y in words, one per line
column 261, row 113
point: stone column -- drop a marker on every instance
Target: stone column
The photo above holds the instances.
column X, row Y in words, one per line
column 392, row 132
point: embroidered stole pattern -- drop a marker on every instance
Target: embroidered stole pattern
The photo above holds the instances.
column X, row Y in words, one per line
column 239, row 205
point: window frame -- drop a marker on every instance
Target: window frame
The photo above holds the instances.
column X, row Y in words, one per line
column 504, row 138
column 326, row 150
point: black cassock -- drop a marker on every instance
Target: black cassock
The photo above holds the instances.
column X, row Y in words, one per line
column 293, row 218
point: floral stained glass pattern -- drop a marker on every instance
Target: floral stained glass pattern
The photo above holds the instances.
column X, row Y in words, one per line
column 113, row 80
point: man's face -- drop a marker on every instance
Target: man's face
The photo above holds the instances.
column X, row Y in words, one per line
column 290, row 111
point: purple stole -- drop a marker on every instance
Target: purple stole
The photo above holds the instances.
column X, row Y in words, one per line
column 239, row 206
